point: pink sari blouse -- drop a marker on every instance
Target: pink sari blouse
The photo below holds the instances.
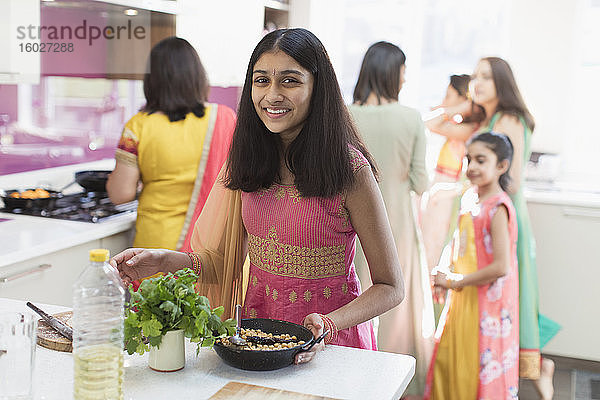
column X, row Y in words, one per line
column 301, row 254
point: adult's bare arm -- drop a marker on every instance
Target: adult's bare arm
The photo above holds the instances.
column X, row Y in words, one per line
column 122, row 183
column 443, row 125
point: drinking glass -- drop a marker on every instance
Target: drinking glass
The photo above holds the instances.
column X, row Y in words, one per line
column 17, row 355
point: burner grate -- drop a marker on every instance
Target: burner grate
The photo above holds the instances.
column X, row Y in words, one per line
column 87, row 207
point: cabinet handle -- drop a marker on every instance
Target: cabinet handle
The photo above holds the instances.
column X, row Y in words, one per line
column 580, row 212
column 39, row 268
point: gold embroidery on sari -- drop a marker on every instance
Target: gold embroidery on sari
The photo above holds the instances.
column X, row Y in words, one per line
column 253, row 313
column 280, row 193
column 126, row 157
column 254, row 280
column 307, row 296
column 342, row 212
column 345, row 288
column 290, row 190
column 283, row 259
column 356, row 161
column 294, row 194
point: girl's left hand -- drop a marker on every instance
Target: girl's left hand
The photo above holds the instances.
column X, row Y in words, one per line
column 316, row 325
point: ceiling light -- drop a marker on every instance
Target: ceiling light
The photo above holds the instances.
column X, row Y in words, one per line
column 131, row 12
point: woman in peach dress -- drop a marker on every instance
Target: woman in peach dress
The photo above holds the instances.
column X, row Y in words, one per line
column 395, row 135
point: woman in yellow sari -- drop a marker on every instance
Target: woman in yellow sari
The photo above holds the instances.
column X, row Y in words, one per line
column 175, row 146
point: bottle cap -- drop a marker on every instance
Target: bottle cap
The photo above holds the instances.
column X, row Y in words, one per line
column 99, row 255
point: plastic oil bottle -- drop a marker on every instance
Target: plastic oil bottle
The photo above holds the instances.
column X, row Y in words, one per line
column 98, row 330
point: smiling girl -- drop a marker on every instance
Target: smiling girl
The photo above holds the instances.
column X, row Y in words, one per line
column 477, row 352
column 298, row 188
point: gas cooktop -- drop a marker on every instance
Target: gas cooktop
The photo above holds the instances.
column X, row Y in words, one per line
column 86, row 207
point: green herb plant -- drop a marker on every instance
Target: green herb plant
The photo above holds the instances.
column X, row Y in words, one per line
column 169, row 302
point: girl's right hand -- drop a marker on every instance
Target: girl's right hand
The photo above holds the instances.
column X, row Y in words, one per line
column 316, row 325
column 134, row 264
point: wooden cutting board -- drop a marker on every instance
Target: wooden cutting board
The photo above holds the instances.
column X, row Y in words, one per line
column 48, row 337
column 246, row 391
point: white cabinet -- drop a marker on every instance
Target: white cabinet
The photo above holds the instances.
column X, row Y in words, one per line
column 52, row 285
column 568, row 260
column 19, row 42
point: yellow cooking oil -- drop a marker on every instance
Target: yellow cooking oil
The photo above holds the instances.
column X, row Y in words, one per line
column 98, row 372
column 98, row 298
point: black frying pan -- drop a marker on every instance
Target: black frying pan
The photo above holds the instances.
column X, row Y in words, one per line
column 11, row 203
column 266, row 360
column 92, row 181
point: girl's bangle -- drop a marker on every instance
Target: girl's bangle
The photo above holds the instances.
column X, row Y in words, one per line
column 195, row 259
column 333, row 330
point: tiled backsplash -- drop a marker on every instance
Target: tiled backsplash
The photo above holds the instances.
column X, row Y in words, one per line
column 65, row 121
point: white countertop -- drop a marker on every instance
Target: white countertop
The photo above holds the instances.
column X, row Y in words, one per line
column 564, row 193
column 24, row 237
column 563, row 198
column 338, row 372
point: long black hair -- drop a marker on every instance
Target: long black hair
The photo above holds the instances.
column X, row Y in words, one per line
column 501, row 145
column 380, row 73
column 319, row 157
column 510, row 100
column 176, row 83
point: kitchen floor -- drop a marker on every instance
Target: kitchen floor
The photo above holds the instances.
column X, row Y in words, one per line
column 574, row 379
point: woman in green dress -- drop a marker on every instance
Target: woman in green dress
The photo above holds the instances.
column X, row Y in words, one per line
column 494, row 88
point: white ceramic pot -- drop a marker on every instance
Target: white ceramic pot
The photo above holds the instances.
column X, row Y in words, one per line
column 170, row 356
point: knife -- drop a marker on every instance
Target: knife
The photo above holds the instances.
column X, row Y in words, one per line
column 57, row 324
